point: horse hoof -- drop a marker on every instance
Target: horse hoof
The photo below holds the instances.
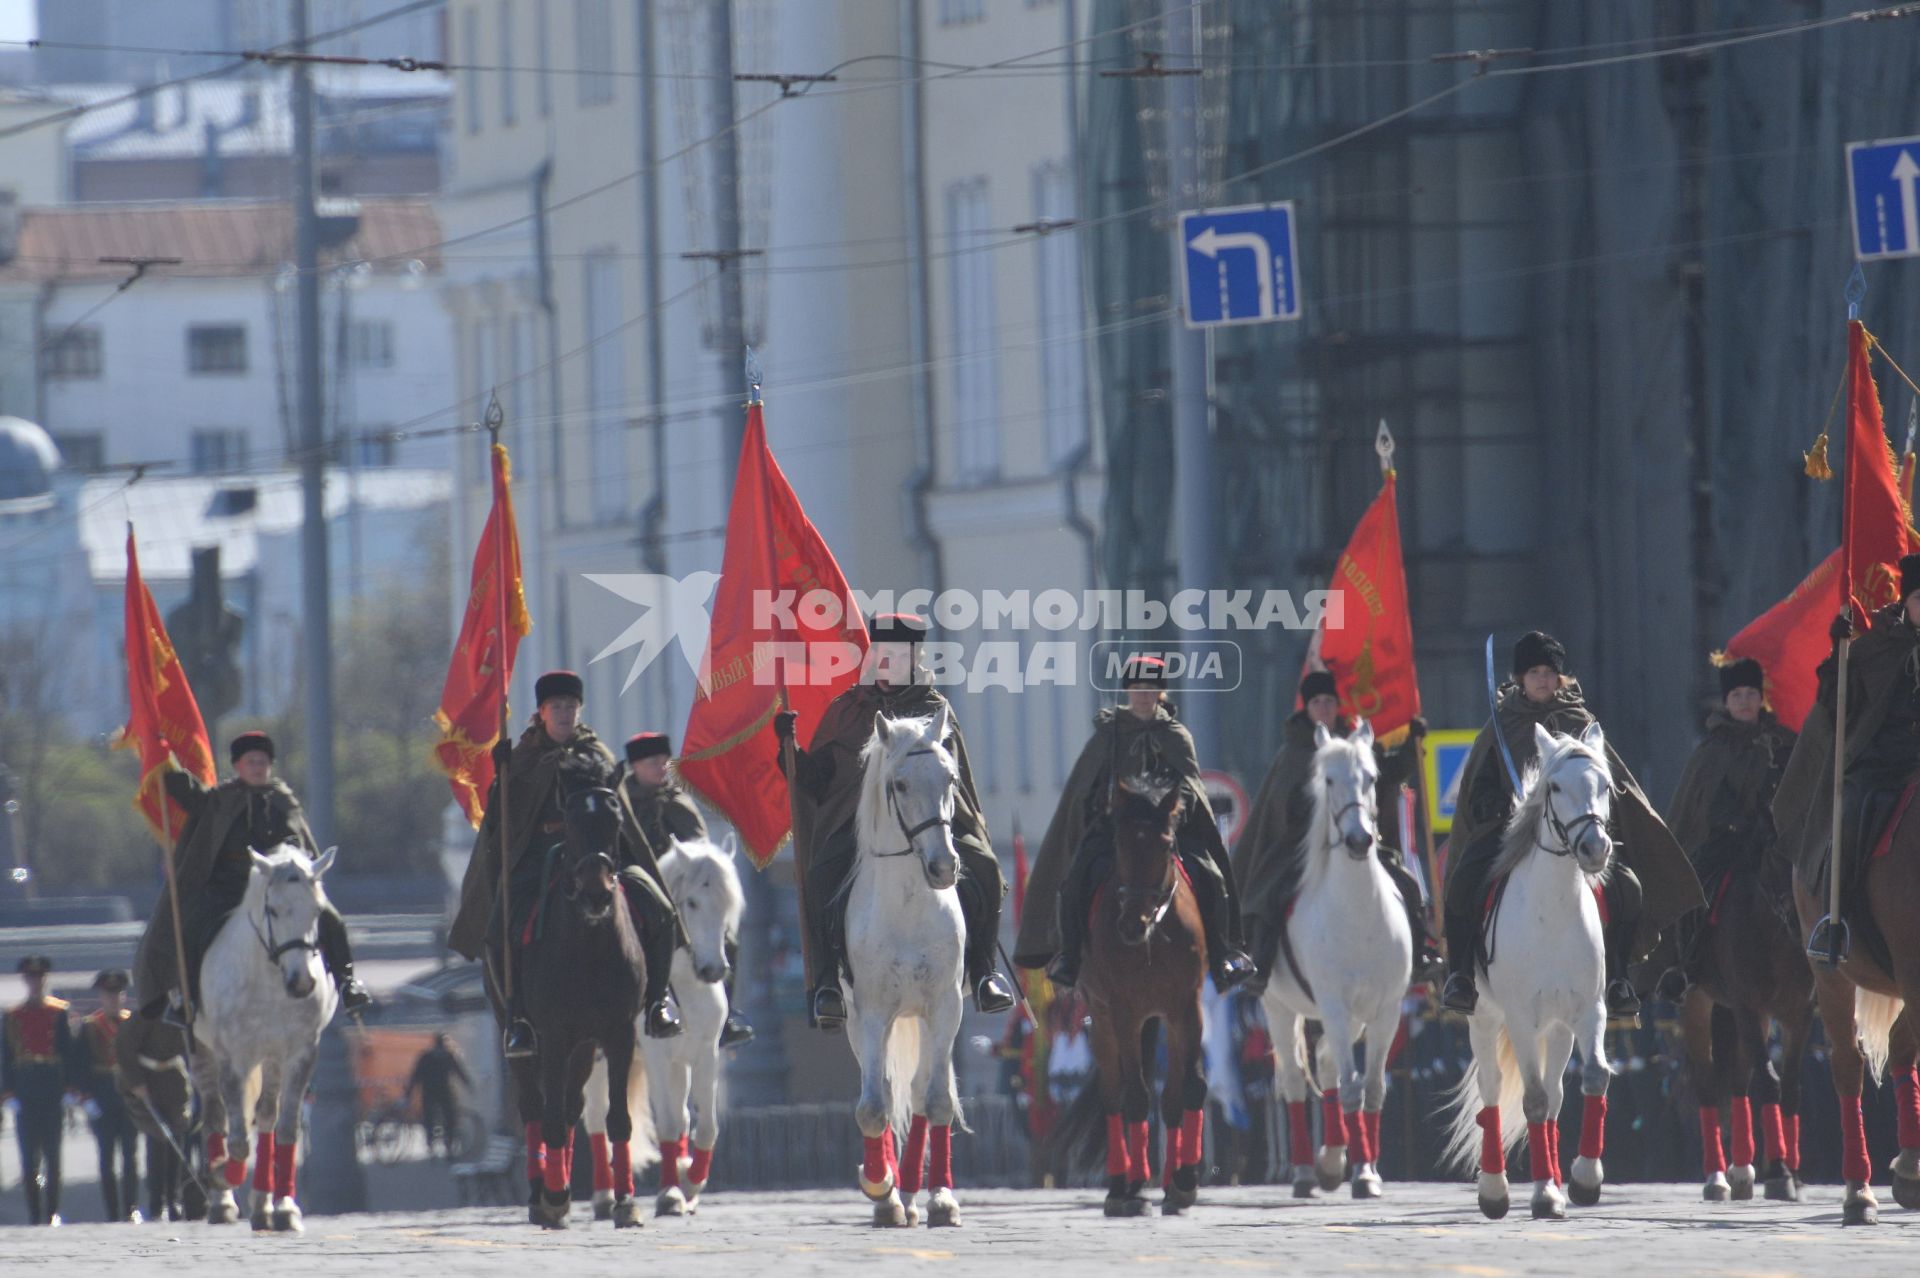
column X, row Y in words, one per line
column 1582, row 1195
column 626, row 1214
column 554, row 1210
column 603, row 1204
column 1716, row 1190
column 913, row 1213
column 1306, row 1188
column 1494, row 1208
column 1330, row 1167
column 877, row 1191
column 1906, row 1189
column 1584, row 1185
column 671, row 1202
column 1128, row 1208
column 223, row 1212
column 889, row 1213
column 261, row 1218
column 287, row 1218
column 943, row 1212
column 1740, row 1179
column 1494, row 1198
column 1367, row 1185
column 1782, row 1189
column 1548, row 1204
column 1861, row 1207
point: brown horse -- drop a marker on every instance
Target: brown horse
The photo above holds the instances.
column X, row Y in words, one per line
column 1146, row 957
column 1753, row 971
column 1871, row 1010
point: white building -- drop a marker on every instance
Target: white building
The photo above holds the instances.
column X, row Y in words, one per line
column 193, row 365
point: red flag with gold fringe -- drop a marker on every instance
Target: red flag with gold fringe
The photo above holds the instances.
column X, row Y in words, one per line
column 163, row 719
column 1789, row 640
column 1370, row 649
column 1873, row 526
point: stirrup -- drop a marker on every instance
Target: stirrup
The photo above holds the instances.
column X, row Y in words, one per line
column 1232, row 969
column 663, row 1021
column 992, row 995
column 736, row 1032
column 829, row 1009
column 1830, row 943
column 1460, row 994
column 1062, row 971
column 1622, row 999
column 518, row 1041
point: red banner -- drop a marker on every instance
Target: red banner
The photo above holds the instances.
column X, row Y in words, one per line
column 1370, row 651
column 473, row 698
column 163, row 719
column 1789, row 640
column 728, row 753
column 1874, row 524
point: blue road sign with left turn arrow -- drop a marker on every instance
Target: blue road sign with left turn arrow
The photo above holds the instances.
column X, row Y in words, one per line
column 1239, row 265
column 1884, row 179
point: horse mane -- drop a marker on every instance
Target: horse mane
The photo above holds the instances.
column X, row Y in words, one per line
column 877, row 761
column 1315, row 846
column 686, row 856
column 258, row 879
column 1518, row 838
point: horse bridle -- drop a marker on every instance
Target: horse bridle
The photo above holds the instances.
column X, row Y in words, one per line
column 275, row 950
column 1333, row 822
column 1565, row 831
column 912, row 832
column 1162, row 902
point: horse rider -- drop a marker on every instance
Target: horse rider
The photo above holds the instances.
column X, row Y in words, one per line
column 151, row 1078
column 1882, row 748
column 1270, row 855
column 1651, row 885
column 1142, row 735
column 826, row 779
column 251, row 811
column 558, row 755
column 667, row 812
column 95, row 1076
column 1722, row 810
column 36, row 1062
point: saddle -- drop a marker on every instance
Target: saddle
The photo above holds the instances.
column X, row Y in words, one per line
column 1490, row 914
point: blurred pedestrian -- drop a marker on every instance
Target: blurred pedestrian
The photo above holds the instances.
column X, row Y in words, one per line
column 36, row 1051
column 95, row 1076
column 434, row 1072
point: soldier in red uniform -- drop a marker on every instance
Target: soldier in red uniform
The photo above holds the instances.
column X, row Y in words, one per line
column 36, row 1046
column 95, row 1075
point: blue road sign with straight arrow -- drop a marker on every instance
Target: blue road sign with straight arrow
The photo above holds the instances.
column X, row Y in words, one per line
column 1882, row 178
column 1239, row 265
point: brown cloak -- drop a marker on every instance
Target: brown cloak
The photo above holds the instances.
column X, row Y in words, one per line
column 1642, row 840
column 665, row 812
column 1719, row 806
column 1803, row 805
column 1120, row 736
column 211, row 821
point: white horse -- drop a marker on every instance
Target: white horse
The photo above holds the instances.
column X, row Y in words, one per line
column 1354, row 953
column 265, row 997
column 682, row 1072
column 1541, row 991
column 905, row 942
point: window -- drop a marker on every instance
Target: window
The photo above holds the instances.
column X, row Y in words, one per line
column 370, row 344
column 953, row 13
column 218, row 450
column 976, row 373
column 73, row 354
column 82, row 450
column 471, row 86
column 543, row 82
column 1063, row 354
column 606, row 388
column 593, row 45
column 505, row 62
column 216, row 348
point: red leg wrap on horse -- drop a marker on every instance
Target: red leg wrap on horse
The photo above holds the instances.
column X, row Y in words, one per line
column 1357, row 1138
column 702, row 1166
column 536, row 1153
column 602, row 1164
column 1540, row 1151
column 236, row 1172
column 1742, row 1131
column 556, row 1176
column 1792, row 1123
column 1373, row 1134
column 1192, row 1127
column 622, row 1169
column 915, row 1159
column 1170, row 1155
column 1593, row 1127
column 1138, row 1166
column 671, row 1150
column 1713, row 1157
column 1773, row 1133
column 886, row 1146
column 1299, row 1133
column 1553, row 1150
column 1116, row 1145
column 216, row 1148
column 1493, row 1151
column 1855, row 1166
column 566, row 1159
column 873, row 1169
column 940, row 1158
column 1333, row 1123
column 283, row 1169
column 263, row 1163
column 1908, row 1090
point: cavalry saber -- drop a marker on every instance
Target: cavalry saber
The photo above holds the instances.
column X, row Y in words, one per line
column 1493, row 705
column 166, row 1128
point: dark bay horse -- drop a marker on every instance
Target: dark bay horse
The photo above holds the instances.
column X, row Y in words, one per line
column 1753, row 972
column 584, row 974
column 1870, row 1005
column 1146, row 957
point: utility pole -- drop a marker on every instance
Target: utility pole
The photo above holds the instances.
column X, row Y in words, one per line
column 1194, row 495
column 316, row 602
column 731, row 340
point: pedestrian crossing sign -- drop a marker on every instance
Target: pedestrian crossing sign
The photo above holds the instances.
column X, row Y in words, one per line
column 1447, row 750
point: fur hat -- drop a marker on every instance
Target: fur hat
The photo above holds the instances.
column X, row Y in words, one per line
column 247, row 743
column 559, row 683
column 1318, row 683
column 645, row 745
column 1745, row 673
column 896, row 627
column 1538, row 648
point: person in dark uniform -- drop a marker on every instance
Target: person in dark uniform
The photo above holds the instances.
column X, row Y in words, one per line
column 1076, row 856
column 253, row 810
column 36, row 1061
column 667, row 812
column 827, row 778
column 96, row 1066
column 434, row 1073
column 558, row 755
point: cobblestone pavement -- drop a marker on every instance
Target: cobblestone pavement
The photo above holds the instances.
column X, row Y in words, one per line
column 1428, row 1228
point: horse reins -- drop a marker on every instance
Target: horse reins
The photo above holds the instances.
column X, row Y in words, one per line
column 274, row 951
column 912, row 832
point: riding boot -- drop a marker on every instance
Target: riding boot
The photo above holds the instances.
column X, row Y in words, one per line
column 1263, row 947
column 1623, row 900
column 659, row 936
column 826, row 923
column 1229, row 964
column 736, row 1032
column 980, row 896
column 1465, row 899
column 1072, row 904
column 337, row 953
column 1426, row 956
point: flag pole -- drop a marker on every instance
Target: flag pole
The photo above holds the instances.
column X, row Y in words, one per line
column 166, row 845
column 1383, row 445
column 496, row 417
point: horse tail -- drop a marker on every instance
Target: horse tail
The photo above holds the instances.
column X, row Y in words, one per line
column 593, row 1116
column 1875, row 1015
column 903, row 1059
column 1080, row 1131
column 646, row 1138
column 1462, row 1110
